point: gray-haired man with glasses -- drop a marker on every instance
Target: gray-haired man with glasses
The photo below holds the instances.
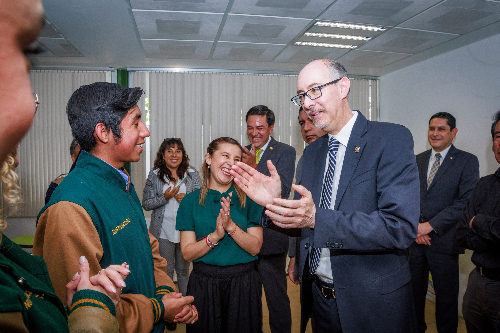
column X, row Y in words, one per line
column 357, row 207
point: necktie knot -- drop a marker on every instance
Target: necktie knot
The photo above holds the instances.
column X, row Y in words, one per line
column 438, row 156
column 333, row 144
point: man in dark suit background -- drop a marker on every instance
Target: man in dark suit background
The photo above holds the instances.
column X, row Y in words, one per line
column 447, row 178
column 271, row 264
column 357, row 206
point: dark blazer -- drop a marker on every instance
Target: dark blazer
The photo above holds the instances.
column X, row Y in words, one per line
column 442, row 204
column 373, row 224
column 283, row 158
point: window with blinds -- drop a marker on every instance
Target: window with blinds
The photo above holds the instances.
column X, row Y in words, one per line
column 199, row 107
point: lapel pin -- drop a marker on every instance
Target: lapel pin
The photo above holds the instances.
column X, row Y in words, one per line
column 451, row 157
column 356, row 149
column 271, row 148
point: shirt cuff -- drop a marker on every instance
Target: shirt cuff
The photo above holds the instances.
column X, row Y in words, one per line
column 91, row 298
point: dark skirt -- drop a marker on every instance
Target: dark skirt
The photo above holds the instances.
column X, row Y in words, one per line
column 228, row 298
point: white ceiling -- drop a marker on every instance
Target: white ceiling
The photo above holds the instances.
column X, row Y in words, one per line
column 254, row 35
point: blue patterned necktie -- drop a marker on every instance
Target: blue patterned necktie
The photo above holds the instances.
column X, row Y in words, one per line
column 326, row 196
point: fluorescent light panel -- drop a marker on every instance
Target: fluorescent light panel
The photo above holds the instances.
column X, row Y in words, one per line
column 323, row 35
column 338, row 46
column 349, row 26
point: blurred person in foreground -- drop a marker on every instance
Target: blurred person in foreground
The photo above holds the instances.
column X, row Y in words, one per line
column 221, row 234
column 28, row 302
column 95, row 211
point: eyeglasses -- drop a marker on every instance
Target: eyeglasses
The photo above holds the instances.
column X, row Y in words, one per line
column 37, row 102
column 313, row 93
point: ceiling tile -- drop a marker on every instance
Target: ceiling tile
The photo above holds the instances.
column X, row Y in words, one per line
column 407, row 41
column 456, row 16
column 48, row 31
column 42, row 51
column 173, row 49
column 306, row 54
column 246, row 51
column 59, row 47
column 177, row 25
column 209, row 6
column 379, row 12
column 358, row 58
column 261, row 29
column 281, row 8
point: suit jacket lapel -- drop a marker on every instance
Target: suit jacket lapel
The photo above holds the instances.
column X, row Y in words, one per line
column 447, row 162
column 353, row 153
column 267, row 153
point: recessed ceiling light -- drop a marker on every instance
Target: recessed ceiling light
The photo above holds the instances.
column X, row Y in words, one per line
column 349, row 26
column 322, row 35
column 338, row 46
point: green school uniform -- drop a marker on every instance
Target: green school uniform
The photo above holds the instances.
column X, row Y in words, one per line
column 191, row 216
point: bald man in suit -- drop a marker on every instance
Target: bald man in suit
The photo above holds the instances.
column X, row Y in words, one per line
column 356, row 208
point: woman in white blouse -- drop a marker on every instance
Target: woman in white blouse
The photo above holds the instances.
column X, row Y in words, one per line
column 170, row 180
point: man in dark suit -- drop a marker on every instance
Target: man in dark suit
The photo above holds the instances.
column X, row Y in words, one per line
column 357, row 207
column 447, row 178
column 271, row 264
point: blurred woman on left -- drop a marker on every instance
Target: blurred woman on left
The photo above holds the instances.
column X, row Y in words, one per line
column 28, row 302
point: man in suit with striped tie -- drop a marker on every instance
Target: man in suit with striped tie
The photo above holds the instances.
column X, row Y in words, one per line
column 447, row 178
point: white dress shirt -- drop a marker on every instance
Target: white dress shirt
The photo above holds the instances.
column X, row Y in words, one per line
column 432, row 159
column 324, row 270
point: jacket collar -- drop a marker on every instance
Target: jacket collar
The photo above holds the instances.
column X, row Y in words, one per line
column 101, row 169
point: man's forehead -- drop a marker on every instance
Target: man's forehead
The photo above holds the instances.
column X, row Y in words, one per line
column 497, row 128
column 260, row 120
column 439, row 122
column 303, row 116
column 313, row 74
column 134, row 111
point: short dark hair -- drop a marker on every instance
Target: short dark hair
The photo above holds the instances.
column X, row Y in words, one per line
column 72, row 147
column 300, row 110
column 450, row 120
column 262, row 110
column 496, row 119
column 99, row 102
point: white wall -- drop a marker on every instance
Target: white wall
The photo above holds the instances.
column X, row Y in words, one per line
column 464, row 82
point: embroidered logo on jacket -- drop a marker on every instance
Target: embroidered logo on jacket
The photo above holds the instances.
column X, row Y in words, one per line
column 27, row 302
column 121, row 226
